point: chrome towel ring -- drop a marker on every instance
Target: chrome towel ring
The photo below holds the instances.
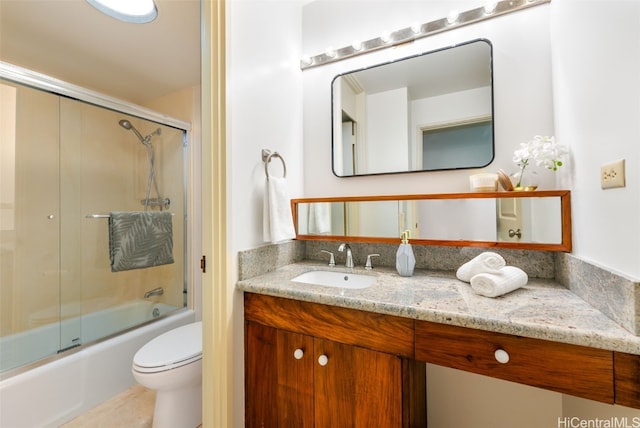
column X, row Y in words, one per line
column 266, row 158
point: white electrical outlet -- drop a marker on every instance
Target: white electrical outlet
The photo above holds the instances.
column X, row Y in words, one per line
column 612, row 174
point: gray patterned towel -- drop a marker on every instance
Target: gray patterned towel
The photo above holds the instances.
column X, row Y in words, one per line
column 140, row 239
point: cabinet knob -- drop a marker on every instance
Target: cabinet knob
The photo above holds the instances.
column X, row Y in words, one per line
column 323, row 360
column 502, row 356
column 298, row 354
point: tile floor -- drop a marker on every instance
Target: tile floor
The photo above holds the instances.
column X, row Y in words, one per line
column 131, row 409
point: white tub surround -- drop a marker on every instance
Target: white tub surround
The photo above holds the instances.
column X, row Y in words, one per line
column 48, row 337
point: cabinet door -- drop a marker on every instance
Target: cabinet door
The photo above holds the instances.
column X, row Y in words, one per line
column 356, row 387
column 295, row 380
column 278, row 381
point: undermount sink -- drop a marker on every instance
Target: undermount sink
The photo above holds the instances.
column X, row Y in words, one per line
column 335, row 279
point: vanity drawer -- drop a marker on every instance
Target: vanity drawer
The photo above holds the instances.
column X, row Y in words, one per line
column 384, row 333
column 570, row 369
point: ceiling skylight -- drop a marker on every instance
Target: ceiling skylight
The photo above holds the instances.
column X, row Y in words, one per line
column 136, row 11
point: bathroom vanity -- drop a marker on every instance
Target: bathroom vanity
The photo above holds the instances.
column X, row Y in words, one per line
column 315, row 355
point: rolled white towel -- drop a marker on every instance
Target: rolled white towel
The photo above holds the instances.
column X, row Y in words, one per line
column 506, row 280
column 485, row 262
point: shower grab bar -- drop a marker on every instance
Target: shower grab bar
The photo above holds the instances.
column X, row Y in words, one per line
column 105, row 215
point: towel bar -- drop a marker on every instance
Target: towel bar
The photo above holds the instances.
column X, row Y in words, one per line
column 266, row 158
column 105, row 215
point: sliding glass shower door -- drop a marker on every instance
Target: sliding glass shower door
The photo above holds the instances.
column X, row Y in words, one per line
column 66, row 165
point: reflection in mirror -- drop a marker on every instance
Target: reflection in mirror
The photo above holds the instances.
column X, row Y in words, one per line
column 491, row 219
column 532, row 220
column 428, row 112
column 364, row 218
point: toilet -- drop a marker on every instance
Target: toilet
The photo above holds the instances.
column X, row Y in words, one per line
column 171, row 364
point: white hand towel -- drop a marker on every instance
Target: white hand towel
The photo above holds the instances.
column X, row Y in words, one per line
column 508, row 278
column 485, row 262
column 277, row 217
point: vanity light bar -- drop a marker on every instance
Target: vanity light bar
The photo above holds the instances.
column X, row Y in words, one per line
column 417, row 31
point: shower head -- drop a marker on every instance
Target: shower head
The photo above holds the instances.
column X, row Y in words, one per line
column 144, row 140
column 127, row 125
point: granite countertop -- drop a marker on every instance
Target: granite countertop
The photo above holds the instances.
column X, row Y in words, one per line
column 542, row 309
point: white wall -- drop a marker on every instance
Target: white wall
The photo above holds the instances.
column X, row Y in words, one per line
column 264, row 110
column 264, row 107
column 596, row 84
column 597, row 105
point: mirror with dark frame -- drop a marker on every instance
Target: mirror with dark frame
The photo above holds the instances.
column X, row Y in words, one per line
column 428, row 112
column 520, row 220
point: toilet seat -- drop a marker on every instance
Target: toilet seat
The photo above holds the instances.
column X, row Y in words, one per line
column 175, row 348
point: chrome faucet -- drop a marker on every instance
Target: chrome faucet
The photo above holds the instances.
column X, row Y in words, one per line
column 349, row 262
column 155, row 292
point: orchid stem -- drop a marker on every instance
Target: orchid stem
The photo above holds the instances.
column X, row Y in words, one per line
column 524, row 165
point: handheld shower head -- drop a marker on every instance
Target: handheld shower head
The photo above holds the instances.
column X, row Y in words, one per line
column 127, row 125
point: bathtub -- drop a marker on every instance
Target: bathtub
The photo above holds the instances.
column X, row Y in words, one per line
column 77, row 380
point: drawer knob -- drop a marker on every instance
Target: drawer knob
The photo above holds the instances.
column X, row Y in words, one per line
column 501, row 356
column 298, row 354
column 323, row 360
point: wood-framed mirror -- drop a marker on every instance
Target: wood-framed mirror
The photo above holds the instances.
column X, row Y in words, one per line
column 538, row 220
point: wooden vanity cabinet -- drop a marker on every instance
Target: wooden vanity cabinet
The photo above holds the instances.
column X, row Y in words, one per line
column 297, row 378
column 375, row 371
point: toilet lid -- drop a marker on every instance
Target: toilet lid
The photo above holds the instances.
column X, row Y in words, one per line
column 174, row 348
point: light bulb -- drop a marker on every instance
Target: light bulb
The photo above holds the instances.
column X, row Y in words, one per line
column 330, row 52
column 452, row 17
column 416, row 28
column 385, row 36
column 490, row 7
column 356, row 45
